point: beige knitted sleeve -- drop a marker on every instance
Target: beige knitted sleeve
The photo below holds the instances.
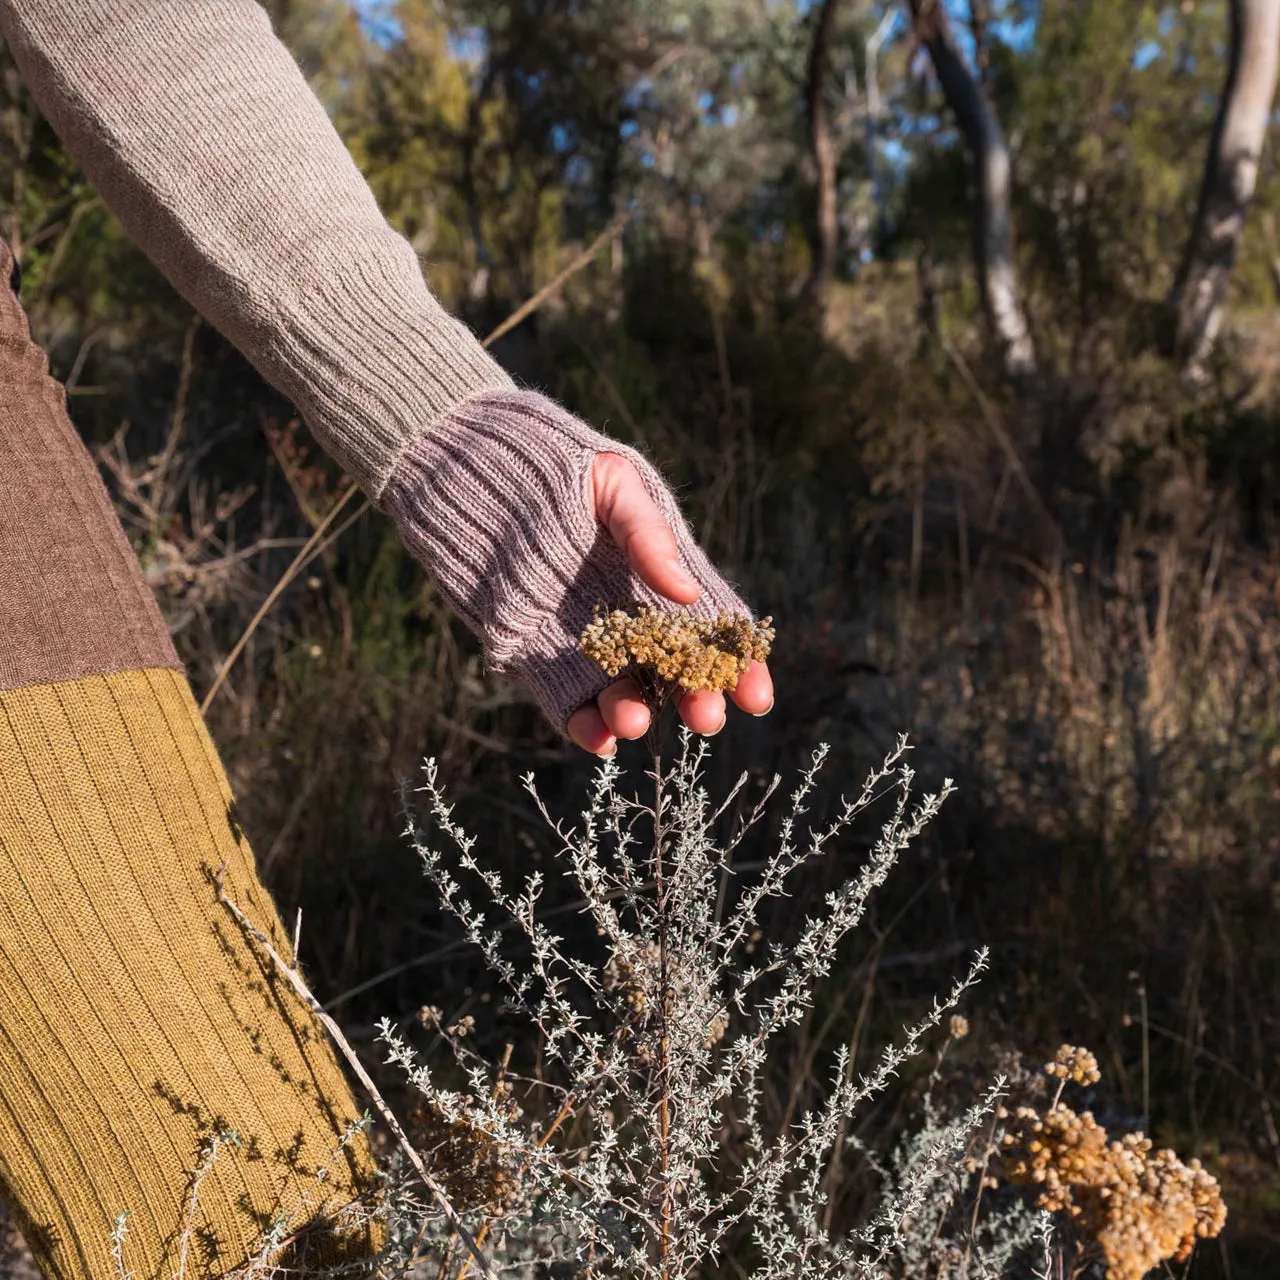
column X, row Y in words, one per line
column 197, row 127
column 199, row 130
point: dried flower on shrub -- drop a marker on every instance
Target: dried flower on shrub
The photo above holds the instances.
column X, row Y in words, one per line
column 958, row 1027
column 676, row 648
column 1074, row 1063
column 477, row 1170
column 634, row 978
column 1131, row 1205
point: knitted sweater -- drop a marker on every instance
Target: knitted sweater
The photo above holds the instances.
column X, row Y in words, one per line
column 201, row 134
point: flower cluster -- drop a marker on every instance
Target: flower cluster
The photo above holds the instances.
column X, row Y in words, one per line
column 1132, row 1205
column 477, row 1170
column 677, row 648
column 1075, row 1064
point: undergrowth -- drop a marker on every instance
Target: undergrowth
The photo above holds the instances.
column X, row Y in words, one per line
column 629, row 1133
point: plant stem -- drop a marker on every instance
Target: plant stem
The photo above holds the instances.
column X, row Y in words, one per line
column 664, row 1145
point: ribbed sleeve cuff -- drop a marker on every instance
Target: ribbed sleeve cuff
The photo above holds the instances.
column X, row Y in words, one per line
column 493, row 501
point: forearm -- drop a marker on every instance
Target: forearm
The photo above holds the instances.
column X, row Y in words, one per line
column 200, row 132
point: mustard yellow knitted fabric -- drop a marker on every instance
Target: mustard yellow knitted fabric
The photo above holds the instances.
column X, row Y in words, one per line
column 136, row 1019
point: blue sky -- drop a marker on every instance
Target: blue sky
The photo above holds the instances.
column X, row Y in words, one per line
column 375, row 15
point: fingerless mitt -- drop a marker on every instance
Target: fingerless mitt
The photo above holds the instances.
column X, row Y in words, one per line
column 494, row 501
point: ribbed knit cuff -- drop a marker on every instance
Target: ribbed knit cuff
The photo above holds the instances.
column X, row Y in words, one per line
column 493, row 501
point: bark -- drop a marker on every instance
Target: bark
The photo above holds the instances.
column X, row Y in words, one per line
column 979, row 25
column 478, row 286
column 1194, row 306
column 825, row 155
column 992, row 174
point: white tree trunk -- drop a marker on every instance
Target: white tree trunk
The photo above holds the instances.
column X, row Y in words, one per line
column 1230, row 174
column 993, row 178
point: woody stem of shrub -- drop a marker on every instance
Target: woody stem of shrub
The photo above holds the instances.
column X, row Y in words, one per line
column 656, row 694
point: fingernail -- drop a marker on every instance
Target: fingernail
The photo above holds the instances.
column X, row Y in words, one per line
column 765, row 712
column 607, row 755
column 717, row 729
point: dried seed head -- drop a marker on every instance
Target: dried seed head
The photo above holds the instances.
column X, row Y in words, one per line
column 676, row 649
column 1073, row 1063
column 477, row 1170
column 637, row 979
column 1135, row 1206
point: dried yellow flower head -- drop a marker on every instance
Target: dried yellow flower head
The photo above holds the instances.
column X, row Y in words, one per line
column 959, row 1026
column 1075, row 1064
column 1134, row 1206
column 477, row 1170
column 677, row 649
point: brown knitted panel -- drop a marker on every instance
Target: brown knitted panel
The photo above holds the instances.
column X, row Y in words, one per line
column 73, row 601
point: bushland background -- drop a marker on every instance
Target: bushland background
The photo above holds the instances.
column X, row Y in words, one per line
column 966, row 373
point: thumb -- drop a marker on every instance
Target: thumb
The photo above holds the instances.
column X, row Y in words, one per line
column 623, row 505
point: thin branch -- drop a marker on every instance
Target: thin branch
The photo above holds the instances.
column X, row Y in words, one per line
column 294, row 978
column 274, row 594
column 610, row 232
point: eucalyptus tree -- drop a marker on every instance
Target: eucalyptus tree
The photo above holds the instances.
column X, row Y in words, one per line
column 992, row 163
column 1230, row 176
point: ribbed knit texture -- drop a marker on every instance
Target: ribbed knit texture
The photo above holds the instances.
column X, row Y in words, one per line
column 200, row 132
column 135, row 1017
column 73, row 600
column 494, row 499
column 203, row 136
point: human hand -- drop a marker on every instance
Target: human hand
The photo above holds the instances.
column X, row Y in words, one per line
column 526, row 518
column 623, row 506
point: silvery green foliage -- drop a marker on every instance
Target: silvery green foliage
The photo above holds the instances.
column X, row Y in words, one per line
column 660, row 1045
column 933, row 1221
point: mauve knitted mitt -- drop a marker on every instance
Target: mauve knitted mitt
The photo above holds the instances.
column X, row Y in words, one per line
column 492, row 499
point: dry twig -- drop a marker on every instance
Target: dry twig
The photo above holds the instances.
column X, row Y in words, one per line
column 294, row 978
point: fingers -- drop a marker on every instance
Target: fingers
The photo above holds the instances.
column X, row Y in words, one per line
column 702, row 710
column 620, row 711
column 624, row 507
column 754, row 693
column 624, row 710
column 587, row 728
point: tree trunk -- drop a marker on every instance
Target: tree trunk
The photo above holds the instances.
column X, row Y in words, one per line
column 992, row 173
column 825, row 156
column 980, row 26
column 1194, row 306
column 478, row 286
